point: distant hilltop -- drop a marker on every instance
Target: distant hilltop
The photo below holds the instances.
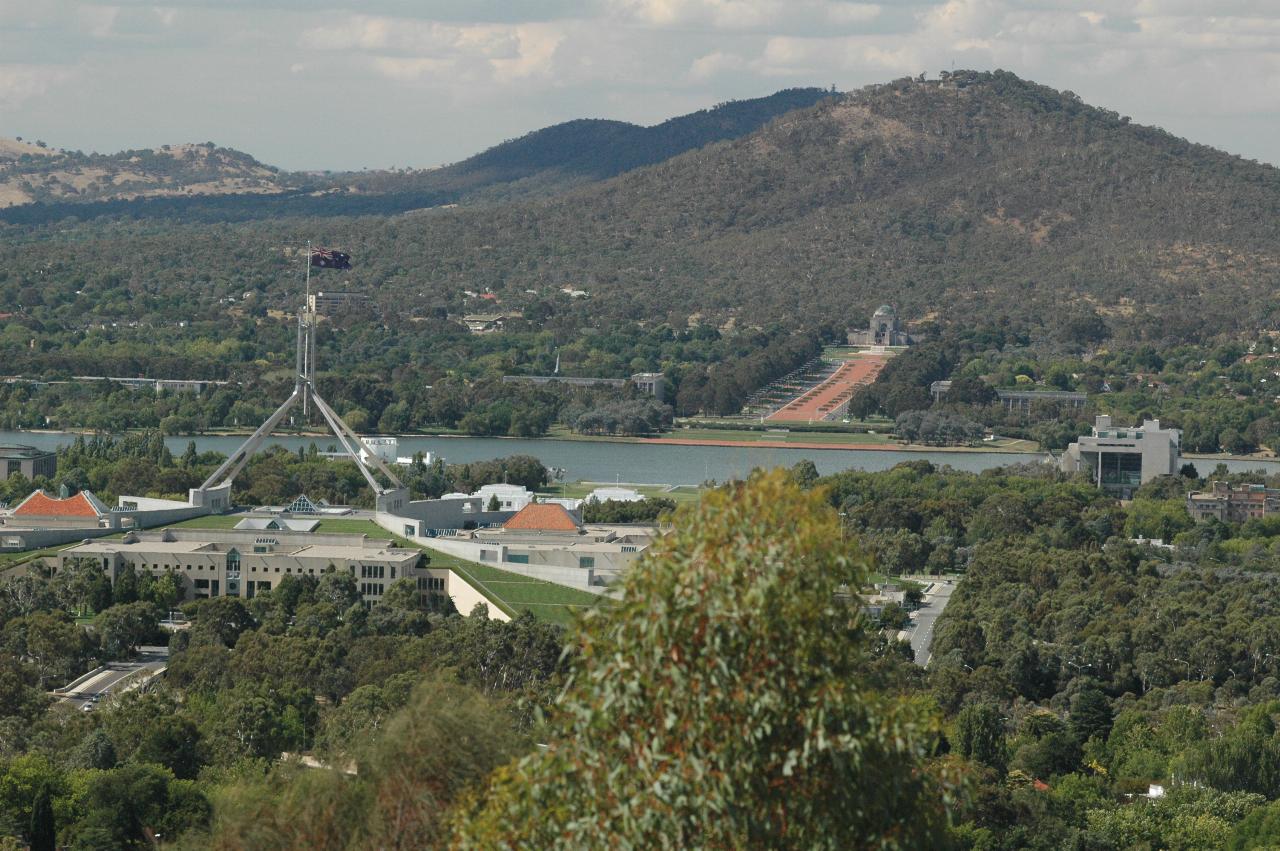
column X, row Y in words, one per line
column 539, row 163
column 33, row 172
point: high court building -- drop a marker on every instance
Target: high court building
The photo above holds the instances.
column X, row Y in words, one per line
column 1120, row 459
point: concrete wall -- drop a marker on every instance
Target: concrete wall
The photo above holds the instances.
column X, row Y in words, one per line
column 147, row 519
column 583, row 579
column 465, row 595
column 34, row 539
column 428, row 514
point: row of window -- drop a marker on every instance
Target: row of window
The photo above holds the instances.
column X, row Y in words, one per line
column 371, row 589
column 374, row 571
column 232, row 566
column 431, row 583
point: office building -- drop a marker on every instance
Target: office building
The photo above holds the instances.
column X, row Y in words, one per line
column 28, row 461
column 1233, row 504
column 243, row 563
column 1119, row 459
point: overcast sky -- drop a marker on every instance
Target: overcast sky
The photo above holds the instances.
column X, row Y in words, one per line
column 343, row 85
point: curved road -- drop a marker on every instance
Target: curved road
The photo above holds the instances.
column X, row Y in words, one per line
column 94, row 689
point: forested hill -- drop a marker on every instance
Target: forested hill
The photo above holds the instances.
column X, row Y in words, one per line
column 973, row 195
column 965, row 198
column 590, row 149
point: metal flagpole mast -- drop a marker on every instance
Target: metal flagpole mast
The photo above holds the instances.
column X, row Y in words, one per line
column 308, row 349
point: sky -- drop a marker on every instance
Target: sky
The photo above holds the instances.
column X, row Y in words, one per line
column 307, row 84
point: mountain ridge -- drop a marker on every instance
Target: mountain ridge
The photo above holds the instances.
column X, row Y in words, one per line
column 968, row 198
column 541, row 162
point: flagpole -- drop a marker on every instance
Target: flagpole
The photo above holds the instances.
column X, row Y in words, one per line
column 305, row 329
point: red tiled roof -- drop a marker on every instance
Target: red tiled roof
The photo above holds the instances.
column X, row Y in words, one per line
column 40, row 504
column 542, row 517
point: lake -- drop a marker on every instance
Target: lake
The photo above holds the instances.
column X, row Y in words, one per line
column 600, row 461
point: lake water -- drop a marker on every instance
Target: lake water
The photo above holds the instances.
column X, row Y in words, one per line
column 632, row 462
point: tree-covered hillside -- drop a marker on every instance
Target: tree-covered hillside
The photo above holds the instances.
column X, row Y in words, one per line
column 980, row 192
column 575, row 152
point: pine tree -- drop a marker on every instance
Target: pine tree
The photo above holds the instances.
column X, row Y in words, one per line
column 43, row 832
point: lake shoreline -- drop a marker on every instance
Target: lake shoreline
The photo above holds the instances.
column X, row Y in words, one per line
column 673, row 440
column 597, row 438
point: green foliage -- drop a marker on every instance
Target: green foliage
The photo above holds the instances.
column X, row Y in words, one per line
column 646, row 510
column 43, row 833
column 128, row 806
column 1185, row 819
column 980, row 736
column 721, row 704
column 125, row 626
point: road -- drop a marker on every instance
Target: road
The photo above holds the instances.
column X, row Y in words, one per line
column 922, row 633
column 97, row 687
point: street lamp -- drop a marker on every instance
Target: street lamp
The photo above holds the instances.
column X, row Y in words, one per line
column 843, row 515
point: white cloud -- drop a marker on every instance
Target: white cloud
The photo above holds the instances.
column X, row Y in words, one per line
column 149, row 71
column 21, row 83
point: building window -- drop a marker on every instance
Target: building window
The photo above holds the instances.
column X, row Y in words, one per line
column 586, row 561
column 522, row 558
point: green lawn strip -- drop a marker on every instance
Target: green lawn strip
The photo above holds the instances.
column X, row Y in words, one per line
column 885, row 579
column 511, row 591
column 756, row 436
column 11, row 560
column 329, row 525
column 209, row 521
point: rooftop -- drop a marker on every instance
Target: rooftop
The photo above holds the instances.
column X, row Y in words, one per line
column 19, row 450
column 542, row 517
column 40, row 504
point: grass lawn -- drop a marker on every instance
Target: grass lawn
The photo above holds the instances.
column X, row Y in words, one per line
column 11, row 560
column 514, row 593
column 331, row 525
column 884, row 578
column 209, row 521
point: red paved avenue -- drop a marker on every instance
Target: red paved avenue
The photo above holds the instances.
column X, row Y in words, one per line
column 814, row 404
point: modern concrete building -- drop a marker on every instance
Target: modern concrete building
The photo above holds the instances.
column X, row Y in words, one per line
column 42, row 520
column 884, row 329
column 1233, row 504
column 243, row 563
column 27, row 460
column 1119, row 460
column 546, row 541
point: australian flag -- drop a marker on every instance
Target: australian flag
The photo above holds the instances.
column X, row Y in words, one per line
column 326, row 258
